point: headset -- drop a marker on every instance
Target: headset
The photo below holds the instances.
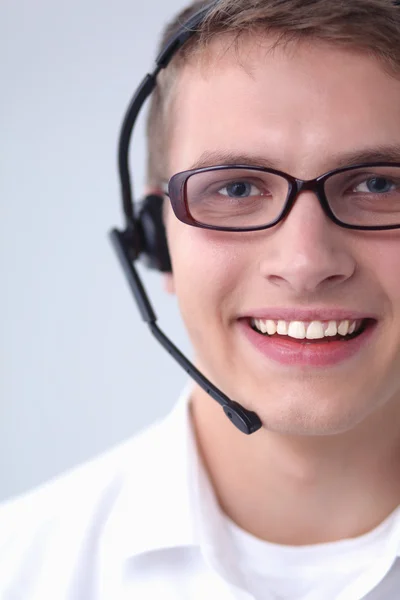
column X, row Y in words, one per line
column 144, row 234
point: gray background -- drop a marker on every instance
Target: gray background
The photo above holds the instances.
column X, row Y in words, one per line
column 79, row 371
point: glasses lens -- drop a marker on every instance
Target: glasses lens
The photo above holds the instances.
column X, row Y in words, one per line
column 365, row 196
column 236, row 198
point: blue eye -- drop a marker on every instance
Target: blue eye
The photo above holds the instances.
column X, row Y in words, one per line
column 376, row 185
column 239, row 189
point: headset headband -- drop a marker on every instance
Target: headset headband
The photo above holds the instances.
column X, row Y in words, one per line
column 187, row 30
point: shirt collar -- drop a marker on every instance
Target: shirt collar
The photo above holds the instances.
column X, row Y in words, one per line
column 166, row 499
column 153, row 509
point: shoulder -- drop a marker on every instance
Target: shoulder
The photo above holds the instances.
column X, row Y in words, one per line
column 63, row 517
column 87, row 480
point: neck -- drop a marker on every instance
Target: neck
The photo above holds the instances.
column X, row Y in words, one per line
column 300, row 490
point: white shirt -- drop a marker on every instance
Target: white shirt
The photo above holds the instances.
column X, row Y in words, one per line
column 142, row 522
column 316, row 571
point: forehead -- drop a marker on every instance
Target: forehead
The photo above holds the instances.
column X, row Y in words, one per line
column 300, row 105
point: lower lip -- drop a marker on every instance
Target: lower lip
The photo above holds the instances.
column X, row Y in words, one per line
column 288, row 352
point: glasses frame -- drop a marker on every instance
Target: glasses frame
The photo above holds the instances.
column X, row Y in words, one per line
column 177, row 193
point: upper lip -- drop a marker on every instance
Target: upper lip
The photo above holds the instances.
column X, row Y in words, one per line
column 314, row 314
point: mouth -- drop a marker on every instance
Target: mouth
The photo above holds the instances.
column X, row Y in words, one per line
column 310, row 343
column 314, row 332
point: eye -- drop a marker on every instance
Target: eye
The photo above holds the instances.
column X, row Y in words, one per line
column 376, row 185
column 239, row 189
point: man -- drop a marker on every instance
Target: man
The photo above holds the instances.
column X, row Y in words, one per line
column 296, row 315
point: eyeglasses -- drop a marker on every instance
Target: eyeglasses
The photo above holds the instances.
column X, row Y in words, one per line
column 244, row 198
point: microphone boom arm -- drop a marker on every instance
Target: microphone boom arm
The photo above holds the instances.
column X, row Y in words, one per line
column 246, row 421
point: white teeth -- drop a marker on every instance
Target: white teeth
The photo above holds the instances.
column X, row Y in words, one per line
column 282, row 328
column 343, row 327
column 261, row 325
column 332, row 329
column 315, row 330
column 297, row 330
column 312, row 331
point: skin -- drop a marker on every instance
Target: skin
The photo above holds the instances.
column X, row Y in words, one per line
column 325, row 465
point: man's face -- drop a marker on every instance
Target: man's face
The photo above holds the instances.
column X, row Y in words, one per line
column 303, row 110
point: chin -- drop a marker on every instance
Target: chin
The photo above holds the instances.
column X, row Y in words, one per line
column 306, row 408
column 306, row 419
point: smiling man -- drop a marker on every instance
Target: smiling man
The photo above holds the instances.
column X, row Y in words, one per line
column 278, row 130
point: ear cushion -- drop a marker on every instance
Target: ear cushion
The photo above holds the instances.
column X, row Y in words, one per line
column 154, row 247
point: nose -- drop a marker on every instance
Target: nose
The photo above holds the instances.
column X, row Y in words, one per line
column 307, row 252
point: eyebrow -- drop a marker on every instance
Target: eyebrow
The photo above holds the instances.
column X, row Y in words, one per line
column 389, row 153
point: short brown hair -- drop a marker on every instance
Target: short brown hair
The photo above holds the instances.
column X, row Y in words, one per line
column 372, row 26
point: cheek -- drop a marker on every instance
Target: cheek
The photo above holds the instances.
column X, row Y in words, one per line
column 207, row 270
column 390, row 274
column 378, row 257
column 382, row 258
